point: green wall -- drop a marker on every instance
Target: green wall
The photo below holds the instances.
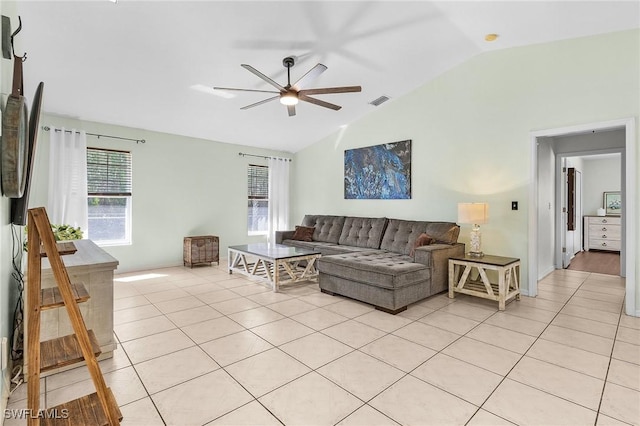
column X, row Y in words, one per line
column 181, row 186
column 470, row 129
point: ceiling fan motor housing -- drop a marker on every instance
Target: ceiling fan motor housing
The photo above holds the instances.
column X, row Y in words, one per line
column 288, row 62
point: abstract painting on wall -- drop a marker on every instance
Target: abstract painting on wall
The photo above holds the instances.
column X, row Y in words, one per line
column 381, row 172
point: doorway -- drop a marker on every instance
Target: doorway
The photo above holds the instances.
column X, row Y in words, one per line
column 589, row 245
column 571, row 212
column 545, row 198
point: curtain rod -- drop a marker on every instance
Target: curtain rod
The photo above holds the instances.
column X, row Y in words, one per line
column 242, row 154
column 47, row 128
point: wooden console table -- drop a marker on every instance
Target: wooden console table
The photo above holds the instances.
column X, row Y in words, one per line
column 93, row 267
column 461, row 278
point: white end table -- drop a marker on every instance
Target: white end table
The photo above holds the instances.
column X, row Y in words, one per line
column 462, row 280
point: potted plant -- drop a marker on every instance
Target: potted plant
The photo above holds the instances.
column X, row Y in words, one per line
column 60, row 233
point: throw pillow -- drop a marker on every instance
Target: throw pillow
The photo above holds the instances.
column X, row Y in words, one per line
column 422, row 240
column 303, row 233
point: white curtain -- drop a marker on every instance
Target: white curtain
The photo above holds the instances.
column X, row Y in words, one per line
column 67, row 202
column 278, row 196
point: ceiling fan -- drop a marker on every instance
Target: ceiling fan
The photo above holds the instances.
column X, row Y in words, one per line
column 290, row 94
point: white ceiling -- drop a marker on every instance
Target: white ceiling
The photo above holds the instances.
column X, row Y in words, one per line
column 151, row 65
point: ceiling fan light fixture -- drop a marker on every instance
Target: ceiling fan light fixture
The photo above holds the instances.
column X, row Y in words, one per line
column 289, row 98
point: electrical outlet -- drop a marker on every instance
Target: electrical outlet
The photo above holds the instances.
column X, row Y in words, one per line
column 514, row 205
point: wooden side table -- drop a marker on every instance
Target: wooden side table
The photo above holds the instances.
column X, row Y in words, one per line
column 461, row 278
column 200, row 250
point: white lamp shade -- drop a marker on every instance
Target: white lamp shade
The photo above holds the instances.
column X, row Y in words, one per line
column 474, row 213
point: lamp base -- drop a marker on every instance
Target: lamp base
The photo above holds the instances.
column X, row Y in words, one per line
column 476, row 242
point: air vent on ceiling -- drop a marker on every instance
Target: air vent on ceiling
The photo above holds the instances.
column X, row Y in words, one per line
column 380, row 100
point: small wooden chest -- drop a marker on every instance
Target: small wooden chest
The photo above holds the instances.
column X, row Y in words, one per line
column 200, row 250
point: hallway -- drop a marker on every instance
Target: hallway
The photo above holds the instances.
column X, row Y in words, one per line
column 599, row 262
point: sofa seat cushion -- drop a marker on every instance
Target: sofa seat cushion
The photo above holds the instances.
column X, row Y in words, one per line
column 326, row 249
column 363, row 232
column 309, row 245
column 377, row 268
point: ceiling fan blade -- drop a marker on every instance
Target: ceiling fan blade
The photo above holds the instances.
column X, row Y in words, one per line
column 311, row 75
column 264, row 77
column 320, row 91
column 292, row 110
column 244, row 90
column 261, row 102
column 318, row 102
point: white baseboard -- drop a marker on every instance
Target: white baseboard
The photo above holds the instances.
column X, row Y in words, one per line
column 524, row 292
column 546, row 272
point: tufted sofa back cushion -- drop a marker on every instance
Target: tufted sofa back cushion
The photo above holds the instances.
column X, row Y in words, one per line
column 363, row 231
column 443, row 232
column 401, row 235
column 327, row 228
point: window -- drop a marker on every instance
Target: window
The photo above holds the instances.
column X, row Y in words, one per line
column 109, row 196
column 258, row 199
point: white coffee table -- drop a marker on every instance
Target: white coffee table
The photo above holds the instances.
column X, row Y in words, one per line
column 275, row 264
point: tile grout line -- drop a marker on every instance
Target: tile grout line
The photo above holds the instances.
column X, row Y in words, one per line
column 609, row 361
column 523, row 355
column 606, row 376
column 346, row 319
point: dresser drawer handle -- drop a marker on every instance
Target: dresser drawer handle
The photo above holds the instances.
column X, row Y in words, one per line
column 604, row 220
column 604, row 235
column 604, row 229
column 604, row 244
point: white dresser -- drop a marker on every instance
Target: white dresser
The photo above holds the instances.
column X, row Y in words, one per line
column 602, row 233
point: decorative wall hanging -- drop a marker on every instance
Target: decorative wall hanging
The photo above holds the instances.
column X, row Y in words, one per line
column 381, row 172
column 612, row 203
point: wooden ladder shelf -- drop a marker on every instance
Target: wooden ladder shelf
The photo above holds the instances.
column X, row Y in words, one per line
column 99, row 408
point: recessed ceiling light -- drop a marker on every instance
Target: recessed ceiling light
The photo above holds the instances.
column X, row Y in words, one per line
column 491, row 37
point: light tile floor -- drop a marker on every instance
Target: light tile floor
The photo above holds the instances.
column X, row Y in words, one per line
column 199, row 346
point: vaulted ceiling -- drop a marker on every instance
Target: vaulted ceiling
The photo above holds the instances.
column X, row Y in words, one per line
column 152, row 64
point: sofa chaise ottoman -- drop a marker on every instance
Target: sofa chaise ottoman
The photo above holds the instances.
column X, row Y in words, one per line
column 376, row 261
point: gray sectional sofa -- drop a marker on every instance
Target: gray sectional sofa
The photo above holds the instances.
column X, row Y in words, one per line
column 374, row 259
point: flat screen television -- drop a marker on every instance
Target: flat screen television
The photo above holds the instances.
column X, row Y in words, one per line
column 20, row 205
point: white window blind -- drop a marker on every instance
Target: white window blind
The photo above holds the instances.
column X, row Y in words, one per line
column 108, row 172
column 109, row 190
column 258, row 199
column 258, row 182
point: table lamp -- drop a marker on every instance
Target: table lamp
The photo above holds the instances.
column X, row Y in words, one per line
column 475, row 214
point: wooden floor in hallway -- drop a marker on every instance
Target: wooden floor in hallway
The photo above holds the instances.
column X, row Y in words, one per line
column 602, row 262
